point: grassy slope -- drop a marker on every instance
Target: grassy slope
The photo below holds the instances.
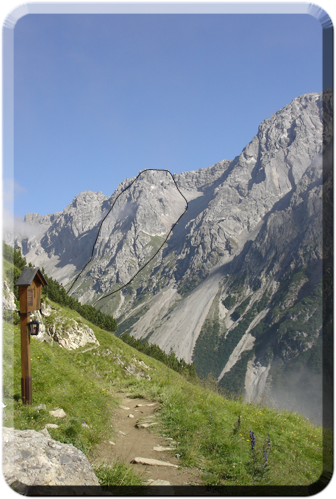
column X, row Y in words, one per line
column 205, row 424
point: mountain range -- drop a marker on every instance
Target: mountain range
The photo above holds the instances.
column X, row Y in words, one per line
column 222, row 265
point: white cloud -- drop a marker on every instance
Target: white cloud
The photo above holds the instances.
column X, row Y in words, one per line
column 16, row 225
column 13, row 227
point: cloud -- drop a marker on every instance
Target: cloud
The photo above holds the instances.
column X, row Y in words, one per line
column 17, row 227
column 14, row 227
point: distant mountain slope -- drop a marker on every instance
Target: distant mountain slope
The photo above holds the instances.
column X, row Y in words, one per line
column 237, row 286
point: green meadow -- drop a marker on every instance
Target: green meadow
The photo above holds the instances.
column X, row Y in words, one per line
column 213, row 432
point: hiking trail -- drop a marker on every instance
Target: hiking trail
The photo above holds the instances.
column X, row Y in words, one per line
column 134, row 440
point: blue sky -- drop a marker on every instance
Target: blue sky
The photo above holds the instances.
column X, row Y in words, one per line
column 97, row 98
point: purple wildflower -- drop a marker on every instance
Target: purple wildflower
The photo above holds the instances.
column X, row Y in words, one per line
column 252, row 438
column 265, row 457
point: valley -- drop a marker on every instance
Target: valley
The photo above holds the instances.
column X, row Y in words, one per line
column 236, row 288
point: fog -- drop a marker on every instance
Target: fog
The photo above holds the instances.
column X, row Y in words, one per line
column 299, row 391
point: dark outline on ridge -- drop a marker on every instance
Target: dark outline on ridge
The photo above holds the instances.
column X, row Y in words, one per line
column 101, row 223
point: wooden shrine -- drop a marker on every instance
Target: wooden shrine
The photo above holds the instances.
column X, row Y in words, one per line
column 30, row 285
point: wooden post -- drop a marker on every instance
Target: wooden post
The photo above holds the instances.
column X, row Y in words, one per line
column 26, row 379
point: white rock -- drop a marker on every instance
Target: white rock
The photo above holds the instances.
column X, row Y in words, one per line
column 158, row 482
column 40, row 407
column 45, row 432
column 144, row 425
column 152, row 462
column 8, row 298
column 32, row 458
column 57, row 413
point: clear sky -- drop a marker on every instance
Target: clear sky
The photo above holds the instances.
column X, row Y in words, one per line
column 98, row 98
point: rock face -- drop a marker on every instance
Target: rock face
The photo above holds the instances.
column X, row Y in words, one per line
column 235, row 288
column 8, row 298
column 34, row 459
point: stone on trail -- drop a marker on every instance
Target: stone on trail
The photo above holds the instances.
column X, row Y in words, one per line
column 131, row 416
column 124, row 407
column 110, row 442
column 152, row 462
column 144, row 425
column 57, row 413
column 158, row 482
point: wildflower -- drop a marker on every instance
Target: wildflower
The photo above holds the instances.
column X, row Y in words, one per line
column 265, row 457
column 252, row 438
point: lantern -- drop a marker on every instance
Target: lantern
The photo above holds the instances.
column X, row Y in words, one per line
column 33, row 328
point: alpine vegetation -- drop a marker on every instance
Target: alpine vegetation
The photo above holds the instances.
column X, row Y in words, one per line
column 110, row 407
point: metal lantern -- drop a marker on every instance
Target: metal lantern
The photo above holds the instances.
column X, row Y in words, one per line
column 33, row 328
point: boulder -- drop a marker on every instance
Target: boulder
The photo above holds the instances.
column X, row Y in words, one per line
column 31, row 458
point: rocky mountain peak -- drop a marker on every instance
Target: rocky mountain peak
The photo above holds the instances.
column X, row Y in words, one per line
column 251, row 225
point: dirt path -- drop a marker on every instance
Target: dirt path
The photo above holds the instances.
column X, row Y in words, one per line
column 133, row 441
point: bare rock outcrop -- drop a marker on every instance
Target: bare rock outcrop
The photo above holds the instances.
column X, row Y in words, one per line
column 67, row 332
column 8, row 298
column 33, row 459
